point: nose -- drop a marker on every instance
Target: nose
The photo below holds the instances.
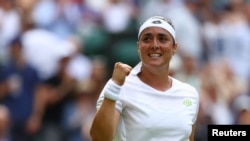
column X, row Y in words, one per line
column 155, row 44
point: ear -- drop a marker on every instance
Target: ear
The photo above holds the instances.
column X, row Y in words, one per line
column 175, row 47
column 138, row 46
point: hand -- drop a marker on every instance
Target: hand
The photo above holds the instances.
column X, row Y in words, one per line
column 120, row 72
column 33, row 125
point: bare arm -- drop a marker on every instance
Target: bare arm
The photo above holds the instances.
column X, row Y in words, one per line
column 191, row 138
column 3, row 89
column 105, row 122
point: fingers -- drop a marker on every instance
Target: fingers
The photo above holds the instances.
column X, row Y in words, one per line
column 120, row 72
column 124, row 67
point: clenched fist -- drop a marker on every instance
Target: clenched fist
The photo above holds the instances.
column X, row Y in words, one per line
column 120, row 72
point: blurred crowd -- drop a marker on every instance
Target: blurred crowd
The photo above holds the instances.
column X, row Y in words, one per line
column 56, row 56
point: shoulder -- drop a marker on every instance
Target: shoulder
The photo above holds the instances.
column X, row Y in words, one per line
column 179, row 85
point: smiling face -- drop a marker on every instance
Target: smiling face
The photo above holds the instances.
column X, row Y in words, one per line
column 156, row 47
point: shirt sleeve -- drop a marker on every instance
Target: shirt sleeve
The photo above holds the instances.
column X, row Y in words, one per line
column 197, row 104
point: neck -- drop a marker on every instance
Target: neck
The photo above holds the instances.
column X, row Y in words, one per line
column 159, row 80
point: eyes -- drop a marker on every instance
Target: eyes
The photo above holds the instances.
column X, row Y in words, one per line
column 147, row 38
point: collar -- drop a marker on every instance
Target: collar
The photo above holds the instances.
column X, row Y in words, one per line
column 136, row 69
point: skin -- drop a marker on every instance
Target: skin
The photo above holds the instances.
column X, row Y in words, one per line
column 155, row 47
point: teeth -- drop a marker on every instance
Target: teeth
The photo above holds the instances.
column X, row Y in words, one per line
column 154, row 55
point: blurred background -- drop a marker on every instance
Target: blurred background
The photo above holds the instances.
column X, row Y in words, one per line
column 56, row 56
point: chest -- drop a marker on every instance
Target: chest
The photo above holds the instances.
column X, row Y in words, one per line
column 158, row 114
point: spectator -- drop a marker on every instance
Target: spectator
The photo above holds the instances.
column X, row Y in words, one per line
column 19, row 81
column 10, row 26
column 50, row 99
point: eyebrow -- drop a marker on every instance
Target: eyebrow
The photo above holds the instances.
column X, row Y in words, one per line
column 158, row 34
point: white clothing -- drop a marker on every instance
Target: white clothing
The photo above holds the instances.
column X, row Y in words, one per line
column 80, row 67
column 236, row 41
column 43, row 49
column 116, row 17
column 188, row 32
column 9, row 29
column 151, row 115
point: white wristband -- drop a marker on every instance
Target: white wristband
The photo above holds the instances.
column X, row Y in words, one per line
column 112, row 90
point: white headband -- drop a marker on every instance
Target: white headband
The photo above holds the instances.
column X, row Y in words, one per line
column 157, row 22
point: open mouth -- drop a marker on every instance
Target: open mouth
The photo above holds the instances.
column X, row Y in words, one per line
column 154, row 55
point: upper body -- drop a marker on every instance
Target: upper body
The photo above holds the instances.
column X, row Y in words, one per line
column 18, row 82
column 151, row 114
column 145, row 103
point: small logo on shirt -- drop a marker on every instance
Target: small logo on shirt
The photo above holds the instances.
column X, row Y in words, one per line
column 187, row 102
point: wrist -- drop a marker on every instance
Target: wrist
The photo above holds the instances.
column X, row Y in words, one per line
column 112, row 90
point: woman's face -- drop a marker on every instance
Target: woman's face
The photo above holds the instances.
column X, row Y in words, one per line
column 156, row 47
